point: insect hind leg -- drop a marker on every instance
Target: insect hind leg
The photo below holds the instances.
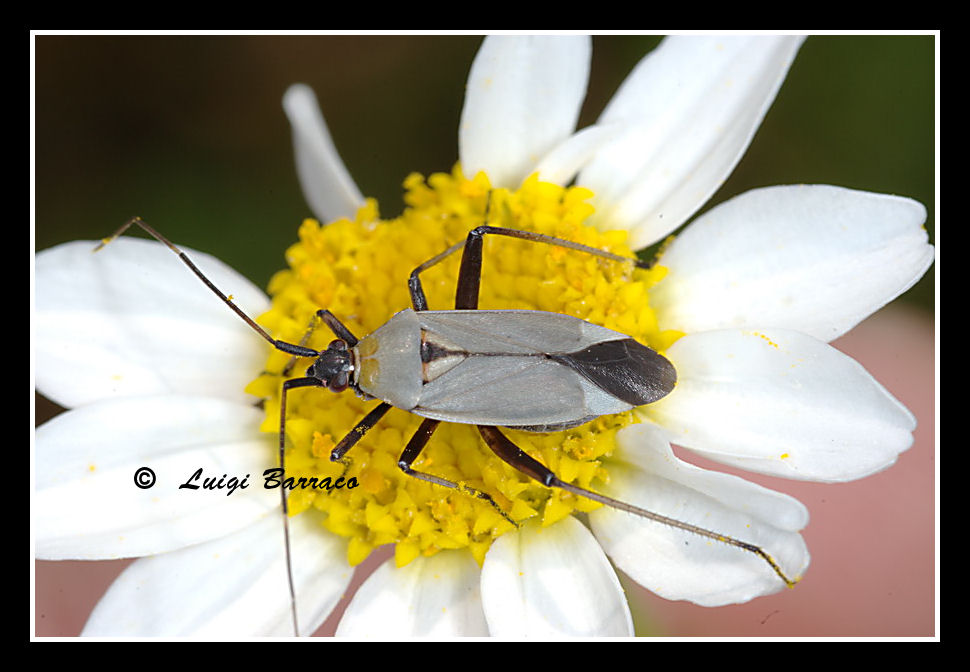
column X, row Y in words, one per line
column 516, row 457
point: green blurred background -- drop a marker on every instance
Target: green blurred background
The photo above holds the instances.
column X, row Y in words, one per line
column 189, row 133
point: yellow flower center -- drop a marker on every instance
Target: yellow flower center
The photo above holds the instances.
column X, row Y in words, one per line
column 358, row 269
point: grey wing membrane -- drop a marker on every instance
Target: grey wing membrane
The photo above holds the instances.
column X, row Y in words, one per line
column 514, row 332
column 512, row 391
column 506, row 372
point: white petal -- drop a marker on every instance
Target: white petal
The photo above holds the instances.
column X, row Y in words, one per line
column 816, row 259
column 437, row 596
column 87, row 505
column 235, row 586
column 565, row 160
column 523, row 97
column 552, row 582
column 679, row 565
column 327, row 185
column 691, row 107
column 132, row 320
column 782, row 403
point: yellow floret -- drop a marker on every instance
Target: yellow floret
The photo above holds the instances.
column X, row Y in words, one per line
column 358, row 269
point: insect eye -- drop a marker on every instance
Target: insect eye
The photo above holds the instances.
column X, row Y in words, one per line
column 337, row 344
column 339, row 383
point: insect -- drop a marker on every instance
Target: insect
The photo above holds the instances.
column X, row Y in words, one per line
column 522, row 369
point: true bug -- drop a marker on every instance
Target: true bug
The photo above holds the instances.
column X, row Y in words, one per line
column 522, row 369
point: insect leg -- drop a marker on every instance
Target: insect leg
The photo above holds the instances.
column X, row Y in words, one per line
column 288, row 385
column 414, row 448
column 418, row 299
column 515, row 456
column 357, row 433
column 470, row 274
column 297, row 350
column 471, row 277
column 336, row 326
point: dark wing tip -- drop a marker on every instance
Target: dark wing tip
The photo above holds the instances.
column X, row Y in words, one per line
column 628, row 370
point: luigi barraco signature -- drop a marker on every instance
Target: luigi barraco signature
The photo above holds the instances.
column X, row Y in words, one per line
column 271, row 478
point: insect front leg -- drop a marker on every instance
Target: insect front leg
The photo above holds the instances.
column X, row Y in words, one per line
column 336, row 326
column 289, row 385
column 357, row 433
column 297, row 350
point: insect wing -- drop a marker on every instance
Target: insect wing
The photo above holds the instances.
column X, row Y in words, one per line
column 626, row 369
column 514, row 332
column 520, row 368
column 519, row 390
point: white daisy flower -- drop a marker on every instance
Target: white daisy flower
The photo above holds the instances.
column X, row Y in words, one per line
column 743, row 302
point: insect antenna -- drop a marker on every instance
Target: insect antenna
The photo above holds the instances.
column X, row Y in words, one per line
column 290, row 348
column 296, row 350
